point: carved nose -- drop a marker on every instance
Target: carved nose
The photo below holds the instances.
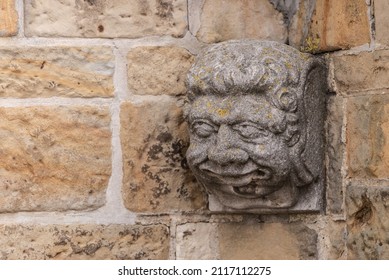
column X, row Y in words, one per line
column 225, row 150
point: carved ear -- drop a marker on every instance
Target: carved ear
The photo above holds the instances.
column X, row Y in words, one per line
column 302, row 175
column 311, row 96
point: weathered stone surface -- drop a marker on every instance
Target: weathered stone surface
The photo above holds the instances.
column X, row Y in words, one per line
column 196, row 241
column 54, row 158
column 256, row 116
column 156, row 177
column 56, row 71
column 158, row 70
column 381, row 11
column 368, row 225
column 368, row 136
column 335, row 148
column 266, row 241
column 287, row 7
column 8, row 18
column 330, row 25
column 74, row 242
column 223, row 20
column 230, row 240
column 365, row 71
column 334, row 237
column 105, row 18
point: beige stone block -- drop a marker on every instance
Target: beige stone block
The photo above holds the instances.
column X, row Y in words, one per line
column 368, row 136
column 381, row 11
column 56, row 71
column 196, row 241
column 335, row 237
column 361, row 72
column 154, row 140
column 367, row 223
column 330, row 25
column 158, row 70
column 266, row 241
column 8, row 18
column 84, row 242
column 54, row 158
column 105, row 18
column 223, row 20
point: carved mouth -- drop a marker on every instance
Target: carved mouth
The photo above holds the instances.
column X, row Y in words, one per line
column 254, row 190
column 242, row 178
column 229, row 174
column 248, row 181
column 250, row 189
column 246, row 190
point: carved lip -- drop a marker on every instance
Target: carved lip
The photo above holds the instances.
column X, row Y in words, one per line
column 228, row 173
column 252, row 191
column 236, row 177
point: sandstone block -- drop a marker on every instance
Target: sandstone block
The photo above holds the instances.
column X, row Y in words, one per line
column 328, row 25
column 156, row 176
column 368, row 136
column 242, row 241
column 158, row 70
column 365, row 71
column 105, row 18
column 381, row 11
column 196, row 241
column 335, row 149
column 54, row 158
column 77, row 242
column 266, row 241
column 335, row 235
column 367, row 223
column 223, row 20
column 56, row 71
column 8, row 18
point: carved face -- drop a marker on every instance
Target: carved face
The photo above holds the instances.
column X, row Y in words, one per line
column 256, row 126
column 238, row 151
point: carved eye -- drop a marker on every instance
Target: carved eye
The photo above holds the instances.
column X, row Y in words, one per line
column 250, row 130
column 203, row 128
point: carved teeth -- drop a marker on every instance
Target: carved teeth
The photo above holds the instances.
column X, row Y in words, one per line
column 249, row 190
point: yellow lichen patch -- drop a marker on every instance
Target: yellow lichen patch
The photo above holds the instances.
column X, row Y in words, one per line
column 222, row 112
column 264, row 77
column 311, row 45
column 288, row 65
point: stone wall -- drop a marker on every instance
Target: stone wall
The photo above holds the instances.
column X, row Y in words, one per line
column 93, row 136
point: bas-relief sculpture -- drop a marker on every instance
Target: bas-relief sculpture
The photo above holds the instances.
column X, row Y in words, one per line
column 255, row 114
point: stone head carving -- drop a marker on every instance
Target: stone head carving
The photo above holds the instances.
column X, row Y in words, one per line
column 255, row 117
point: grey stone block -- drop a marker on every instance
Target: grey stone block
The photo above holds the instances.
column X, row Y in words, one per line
column 256, row 114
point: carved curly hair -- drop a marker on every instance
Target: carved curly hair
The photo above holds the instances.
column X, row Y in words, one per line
column 266, row 68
